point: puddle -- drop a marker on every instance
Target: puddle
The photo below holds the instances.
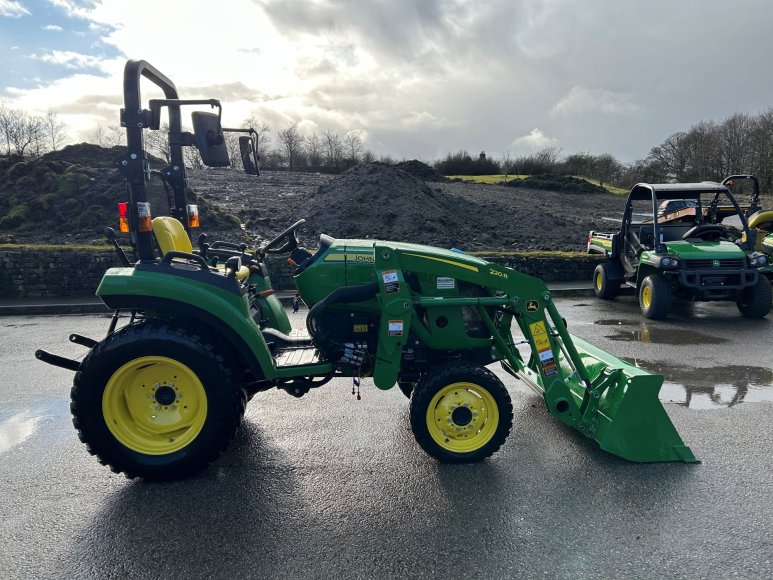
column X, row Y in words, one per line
column 664, row 336
column 617, row 322
column 16, row 429
column 712, row 388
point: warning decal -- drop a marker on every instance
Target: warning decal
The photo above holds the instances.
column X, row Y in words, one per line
column 396, row 327
column 391, row 283
column 542, row 342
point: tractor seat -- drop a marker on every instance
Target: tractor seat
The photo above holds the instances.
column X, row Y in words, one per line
column 762, row 221
column 171, row 236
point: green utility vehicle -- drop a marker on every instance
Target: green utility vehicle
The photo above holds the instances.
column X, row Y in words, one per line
column 163, row 396
column 679, row 241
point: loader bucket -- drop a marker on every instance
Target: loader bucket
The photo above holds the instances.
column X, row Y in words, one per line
column 623, row 414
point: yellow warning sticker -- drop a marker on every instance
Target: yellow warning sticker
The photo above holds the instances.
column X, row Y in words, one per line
column 540, row 335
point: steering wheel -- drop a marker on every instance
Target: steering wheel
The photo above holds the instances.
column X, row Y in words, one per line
column 705, row 232
column 274, row 247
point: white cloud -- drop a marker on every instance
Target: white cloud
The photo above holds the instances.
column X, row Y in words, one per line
column 581, row 100
column 69, row 59
column 53, row 28
column 532, row 142
column 13, row 9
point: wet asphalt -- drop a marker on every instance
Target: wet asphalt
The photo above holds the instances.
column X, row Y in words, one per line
column 330, row 487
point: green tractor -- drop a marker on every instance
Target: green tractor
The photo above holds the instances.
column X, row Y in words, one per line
column 163, row 396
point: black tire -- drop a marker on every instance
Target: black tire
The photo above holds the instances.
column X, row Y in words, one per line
column 406, row 388
column 442, row 426
column 655, row 297
column 148, row 377
column 604, row 287
column 755, row 301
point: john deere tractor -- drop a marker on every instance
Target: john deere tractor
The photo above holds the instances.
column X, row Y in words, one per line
column 163, row 396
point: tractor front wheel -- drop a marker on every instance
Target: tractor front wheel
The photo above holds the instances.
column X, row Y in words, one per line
column 156, row 401
column 755, row 301
column 655, row 297
column 461, row 413
column 604, row 287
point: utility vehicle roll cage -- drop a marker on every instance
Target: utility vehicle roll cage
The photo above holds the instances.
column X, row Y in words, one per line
column 134, row 165
column 668, row 191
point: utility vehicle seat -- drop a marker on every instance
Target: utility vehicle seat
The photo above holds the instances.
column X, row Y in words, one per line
column 171, row 236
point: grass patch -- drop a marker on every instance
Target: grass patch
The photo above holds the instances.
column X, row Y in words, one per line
column 609, row 188
column 491, row 179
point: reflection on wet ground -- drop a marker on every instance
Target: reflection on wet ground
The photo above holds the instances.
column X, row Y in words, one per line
column 658, row 335
column 16, row 429
column 711, row 388
column 617, row 322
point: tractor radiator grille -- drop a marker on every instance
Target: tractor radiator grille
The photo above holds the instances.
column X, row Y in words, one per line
column 729, row 264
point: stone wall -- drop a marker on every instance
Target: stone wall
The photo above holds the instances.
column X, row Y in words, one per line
column 35, row 272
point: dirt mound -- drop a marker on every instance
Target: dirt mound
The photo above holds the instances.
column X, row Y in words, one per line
column 560, row 183
column 51, row 199
column 376, row 200
column 91, row 155
column 420, row 170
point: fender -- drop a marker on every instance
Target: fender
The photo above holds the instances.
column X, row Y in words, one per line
column 225, row 312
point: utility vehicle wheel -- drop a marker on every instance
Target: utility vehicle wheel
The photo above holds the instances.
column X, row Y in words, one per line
column 603, row 286
column 755, row 300
column 655, row 297
column 461, row 413
column 155, row 401
column 406, row 388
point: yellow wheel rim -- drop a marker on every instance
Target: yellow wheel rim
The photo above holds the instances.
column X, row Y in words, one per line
column 154, row 405
column 646, row 296
column 598, row 281
column 462, row 417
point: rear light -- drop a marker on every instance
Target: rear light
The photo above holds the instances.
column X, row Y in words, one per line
column 193, row 215
column 123, row 217
column 143, row 217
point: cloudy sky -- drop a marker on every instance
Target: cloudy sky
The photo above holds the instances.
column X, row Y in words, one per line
column 420, row 78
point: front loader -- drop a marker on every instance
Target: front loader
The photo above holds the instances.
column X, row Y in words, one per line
column 163, row 396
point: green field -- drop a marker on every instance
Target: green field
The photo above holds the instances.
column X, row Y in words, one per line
column 494, row 179
column 486, row 178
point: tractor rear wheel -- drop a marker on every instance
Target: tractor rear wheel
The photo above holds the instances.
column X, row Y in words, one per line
column 461, row 413
column 755, row 301
column 156, row 401
column 655, row 297
column 603, row 286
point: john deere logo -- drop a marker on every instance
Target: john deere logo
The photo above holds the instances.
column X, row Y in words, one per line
column 715, row 263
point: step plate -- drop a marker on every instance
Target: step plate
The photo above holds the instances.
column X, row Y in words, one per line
column 296, row 357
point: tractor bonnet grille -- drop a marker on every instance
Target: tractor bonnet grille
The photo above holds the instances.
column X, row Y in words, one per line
column 729, row 264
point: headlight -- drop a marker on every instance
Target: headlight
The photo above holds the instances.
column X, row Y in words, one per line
column 666, row 261
column 760, row 260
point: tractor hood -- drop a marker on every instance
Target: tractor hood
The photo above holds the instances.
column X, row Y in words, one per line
column 704, row 250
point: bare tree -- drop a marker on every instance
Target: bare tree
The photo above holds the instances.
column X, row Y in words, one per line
column 353, row 146
column 55, row 130
column 331, row 144
column 291, row 141
column 110, row 136
column 157, row 142
column 314, row 149
column 263, row 131
column 24, row 133
column 6, row 120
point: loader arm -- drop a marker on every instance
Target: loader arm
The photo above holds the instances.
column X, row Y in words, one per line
column 603, row 397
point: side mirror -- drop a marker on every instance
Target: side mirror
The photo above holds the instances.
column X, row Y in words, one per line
column 209, row 139
column 249, row 155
